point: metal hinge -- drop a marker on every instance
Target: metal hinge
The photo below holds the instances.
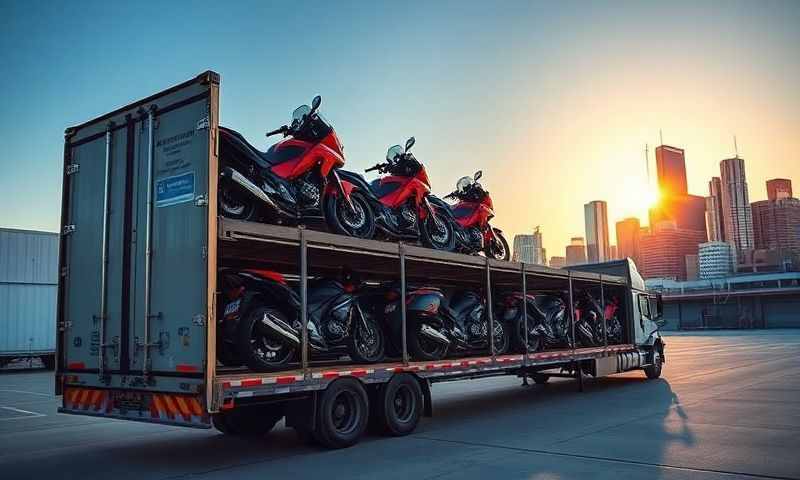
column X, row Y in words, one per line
column 201, row 201
column 199, row 320
column 64, row 325
column 68, row 229
column 202, row 124
column 73, row 168
column 64, row 271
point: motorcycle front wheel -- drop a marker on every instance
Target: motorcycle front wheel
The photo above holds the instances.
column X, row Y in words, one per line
column 260, row 348
column 499, row 249
column 367, row 343
column 437, row 235
column 535, row 342
column 502, row 339
column 358, row 222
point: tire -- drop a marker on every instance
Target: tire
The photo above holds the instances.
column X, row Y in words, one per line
column 234, row 204
column 398, row 405
column 421, row 348
column 257, row 420
column 367, row 347
column 502, row 339
column 492, row 252
column 360, row 224
column 342, row 414
column 535, row 342
column 256, row 347
column 540, row 378
column 437, row 236
column 654, row 371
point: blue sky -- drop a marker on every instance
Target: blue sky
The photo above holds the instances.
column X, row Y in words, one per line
column 554, row 101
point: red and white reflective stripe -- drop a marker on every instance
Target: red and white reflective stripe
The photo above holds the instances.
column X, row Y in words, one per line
column 328, row 374
column 254, row 382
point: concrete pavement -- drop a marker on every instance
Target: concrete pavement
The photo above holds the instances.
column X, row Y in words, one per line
column 727, row 406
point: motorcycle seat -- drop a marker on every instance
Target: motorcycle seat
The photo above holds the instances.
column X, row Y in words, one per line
column 270, row 158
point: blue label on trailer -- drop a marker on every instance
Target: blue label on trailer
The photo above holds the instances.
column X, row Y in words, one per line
column 175, row 189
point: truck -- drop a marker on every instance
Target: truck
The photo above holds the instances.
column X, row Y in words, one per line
column 28, row 284
column 139, row 296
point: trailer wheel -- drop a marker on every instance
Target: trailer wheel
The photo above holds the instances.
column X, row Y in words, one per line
column 398, row 405
column 256, row 420
column 653, row 370
column 540, row 378
column 342, row 414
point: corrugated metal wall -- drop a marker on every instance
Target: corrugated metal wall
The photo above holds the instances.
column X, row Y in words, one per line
column 28, row 289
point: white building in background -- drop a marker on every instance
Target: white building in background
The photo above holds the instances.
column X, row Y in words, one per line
column 715, row 260
column 528, row 249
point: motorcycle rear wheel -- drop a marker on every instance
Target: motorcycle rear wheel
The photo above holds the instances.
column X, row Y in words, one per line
column 535, row 342
column 260, row 350
column 234, row 204
column 423, row 348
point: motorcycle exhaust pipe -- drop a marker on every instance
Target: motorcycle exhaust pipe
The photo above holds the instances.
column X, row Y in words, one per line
column 433, row 334
column 251, row 187
column 281, row 328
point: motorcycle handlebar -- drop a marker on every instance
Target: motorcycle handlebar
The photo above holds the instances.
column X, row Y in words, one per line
column 376, row 167
column 283, row 129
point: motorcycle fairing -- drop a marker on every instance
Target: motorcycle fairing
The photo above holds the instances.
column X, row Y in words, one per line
column 406, row 188
column 313, row 154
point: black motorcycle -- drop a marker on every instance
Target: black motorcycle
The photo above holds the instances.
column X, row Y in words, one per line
column 604, row 320
column 400, row 200
column 294, row 181
column 439, row 324
column 261, row 324
column 547, row 323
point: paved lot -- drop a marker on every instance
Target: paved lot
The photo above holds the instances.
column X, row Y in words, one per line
column 728, row 406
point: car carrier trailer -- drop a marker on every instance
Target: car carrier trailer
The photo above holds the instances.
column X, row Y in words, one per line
column 138, row 300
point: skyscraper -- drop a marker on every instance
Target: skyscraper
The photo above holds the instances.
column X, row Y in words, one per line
column 671, row 169
column 558, row 262
column 665, row 248
column 737, row 216
column 528, row 248
column 628, row 237
column 779, row 188
column 596, row 221
column 715, row 225
column 776, row 225
column 576, row 251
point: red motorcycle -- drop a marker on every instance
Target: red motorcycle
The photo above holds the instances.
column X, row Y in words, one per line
column 400, row 200
column 470, row 217
column 294, row 181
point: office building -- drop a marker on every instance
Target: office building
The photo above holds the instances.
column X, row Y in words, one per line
column 596, row 222
column 715, row 226
column 628, row 236
column 776, row 224
column 778, row 188
column 558, row 262
column 528, row 249
column 576, row 251
column 664, row 250
column 737, row 216
column 715, row 260
column 671, row 168
column 687, row 211
column 612, row 252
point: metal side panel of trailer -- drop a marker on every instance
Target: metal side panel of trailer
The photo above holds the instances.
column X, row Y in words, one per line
column 138, row 226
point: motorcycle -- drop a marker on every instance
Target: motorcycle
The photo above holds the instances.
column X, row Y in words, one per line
column 295, row 181
column 439, row 324
column 261, row 325
column 588, row 326
column 547, row 323
column 604, row 320
column 400, row 200
column 470, row 217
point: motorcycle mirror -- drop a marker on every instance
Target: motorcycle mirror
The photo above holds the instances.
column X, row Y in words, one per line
column 478, row 175
column 410, row 143
column 316, row 102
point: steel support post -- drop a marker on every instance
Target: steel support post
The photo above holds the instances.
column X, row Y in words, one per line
column 403, row 325
column 304, row 302
column 489, row 309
